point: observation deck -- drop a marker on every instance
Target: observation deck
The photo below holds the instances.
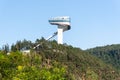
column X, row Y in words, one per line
column 63, row 21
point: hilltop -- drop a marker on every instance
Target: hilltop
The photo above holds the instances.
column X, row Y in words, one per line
column 54, row 62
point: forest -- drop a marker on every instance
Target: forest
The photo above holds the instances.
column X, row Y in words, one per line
column 51, row 61
column 109, row 54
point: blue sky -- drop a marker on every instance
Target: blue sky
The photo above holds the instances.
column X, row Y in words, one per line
column 94, row 22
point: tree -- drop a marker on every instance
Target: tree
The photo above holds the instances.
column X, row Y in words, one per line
column 5, row 48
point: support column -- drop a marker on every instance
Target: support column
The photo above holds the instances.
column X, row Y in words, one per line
column 60, row 34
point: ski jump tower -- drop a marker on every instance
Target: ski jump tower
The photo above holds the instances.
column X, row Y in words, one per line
column 63, row 24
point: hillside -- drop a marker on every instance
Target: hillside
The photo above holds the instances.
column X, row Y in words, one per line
column 110, row 54
column 53, row 62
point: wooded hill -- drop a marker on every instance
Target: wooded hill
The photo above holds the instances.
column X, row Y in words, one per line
column 53, row 62
column 109, row 54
